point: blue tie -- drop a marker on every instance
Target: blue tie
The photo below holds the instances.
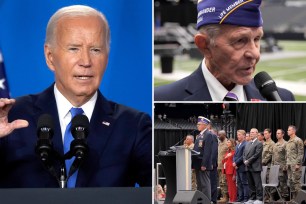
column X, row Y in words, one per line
column 67, row 140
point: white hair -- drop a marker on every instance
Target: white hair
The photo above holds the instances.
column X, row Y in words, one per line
column 74, row 11
column 212, row 31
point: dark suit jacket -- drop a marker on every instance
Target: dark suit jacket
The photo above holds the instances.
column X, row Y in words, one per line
column 206, row 151
column 194, row 88
column 214, row 152
column 238, row 157
column 119, row 153
column 253, row 153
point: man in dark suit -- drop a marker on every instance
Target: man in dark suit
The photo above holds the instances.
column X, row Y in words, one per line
column 229, row 39
column 214, row 172
column 252, row 157
column 242, row 179
column 119, row 140
column 203, row 163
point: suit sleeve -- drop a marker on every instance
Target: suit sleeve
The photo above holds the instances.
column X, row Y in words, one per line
column 142, row 156
column 207, row 153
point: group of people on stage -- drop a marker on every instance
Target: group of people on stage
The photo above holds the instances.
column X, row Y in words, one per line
column 236, row 165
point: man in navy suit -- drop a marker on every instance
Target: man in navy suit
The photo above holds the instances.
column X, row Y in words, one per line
column 119, row 140
column 229, row 39
column 252, row 157
column 242, row 180
column 204, row 163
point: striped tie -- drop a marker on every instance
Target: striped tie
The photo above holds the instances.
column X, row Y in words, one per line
column 230, row 97
column 67, row 140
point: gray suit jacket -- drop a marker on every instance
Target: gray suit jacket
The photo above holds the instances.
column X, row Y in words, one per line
column 253, row 154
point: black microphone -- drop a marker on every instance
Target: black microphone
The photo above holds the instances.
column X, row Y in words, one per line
column 45, row 131
column 79, row 147
column 266, row 86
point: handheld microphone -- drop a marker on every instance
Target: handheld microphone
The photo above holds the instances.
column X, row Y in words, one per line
column 45, row 131
column 266, row 86
column 79, row 147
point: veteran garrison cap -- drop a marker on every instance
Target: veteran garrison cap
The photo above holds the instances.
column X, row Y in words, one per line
column 233, row 12
column 203, row 120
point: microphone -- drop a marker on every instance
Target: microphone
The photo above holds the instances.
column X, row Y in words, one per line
column 79, row 147
column 44, row 147
column 266, row 86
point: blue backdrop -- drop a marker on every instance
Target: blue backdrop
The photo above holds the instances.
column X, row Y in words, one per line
column 128, row 78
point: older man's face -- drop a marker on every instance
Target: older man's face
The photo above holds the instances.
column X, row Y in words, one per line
column 201, row 126
column 236, row 52
column 253, row 134
column 79, row 57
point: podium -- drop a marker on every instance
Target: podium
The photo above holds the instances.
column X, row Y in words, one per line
column 183, row 168
column 177, row 169
column 114, row 195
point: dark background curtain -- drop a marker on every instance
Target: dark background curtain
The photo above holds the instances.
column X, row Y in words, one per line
column 273, row 116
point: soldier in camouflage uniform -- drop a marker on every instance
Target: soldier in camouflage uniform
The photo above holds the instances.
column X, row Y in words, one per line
column 222, row 149
column 267, row 151
column 294, row 158
column 279, row 158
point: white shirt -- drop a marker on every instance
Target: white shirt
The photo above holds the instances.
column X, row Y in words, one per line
column 217, row 90
column 64, row 106
column 202, row 132
column 254, row 140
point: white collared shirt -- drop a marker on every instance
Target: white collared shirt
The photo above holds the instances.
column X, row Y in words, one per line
column 217, row 90
column 202, row 132
column 64, row 106
column 254, row 140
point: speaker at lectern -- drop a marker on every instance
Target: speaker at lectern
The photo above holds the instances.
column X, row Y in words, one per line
column 177, row 169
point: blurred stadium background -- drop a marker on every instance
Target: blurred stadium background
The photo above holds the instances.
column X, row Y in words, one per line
column 283, row 46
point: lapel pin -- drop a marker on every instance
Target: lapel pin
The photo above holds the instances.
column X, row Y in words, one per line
column 105, row 123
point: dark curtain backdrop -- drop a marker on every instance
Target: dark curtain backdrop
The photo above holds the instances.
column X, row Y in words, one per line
column 272, row 115
column 164, row 139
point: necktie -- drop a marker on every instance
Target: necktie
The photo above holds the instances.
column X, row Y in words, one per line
column 230, row 97
column 67, row 140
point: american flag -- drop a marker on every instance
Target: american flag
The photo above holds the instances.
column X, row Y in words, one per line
column 4, row 89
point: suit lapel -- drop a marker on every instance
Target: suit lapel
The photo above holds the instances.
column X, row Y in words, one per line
column 46, row 104
column 197, row 88
column 100, row 131
column 101, row 124
column 252, row 92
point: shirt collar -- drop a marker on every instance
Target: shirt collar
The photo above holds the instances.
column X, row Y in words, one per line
column 216, row 89
column 63, row 105
column 202, row 132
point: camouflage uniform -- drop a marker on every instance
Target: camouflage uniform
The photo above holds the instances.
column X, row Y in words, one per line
column 294, row 154
column 222, row 149
column 279, row 158
column 267, row 153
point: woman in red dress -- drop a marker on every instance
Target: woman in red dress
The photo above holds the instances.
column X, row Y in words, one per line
column 230, row 171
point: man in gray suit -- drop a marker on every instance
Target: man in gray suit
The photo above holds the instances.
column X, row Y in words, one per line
column 252, row 157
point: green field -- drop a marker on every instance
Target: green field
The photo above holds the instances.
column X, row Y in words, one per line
column 289, row 68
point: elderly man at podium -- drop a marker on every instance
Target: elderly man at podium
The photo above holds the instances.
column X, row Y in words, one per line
column 203, row 163
column 189, row 144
